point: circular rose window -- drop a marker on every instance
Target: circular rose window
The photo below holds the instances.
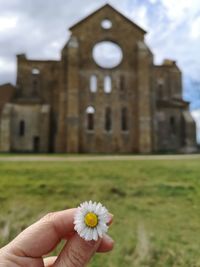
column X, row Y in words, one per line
column 107, row 54
column 106, row 24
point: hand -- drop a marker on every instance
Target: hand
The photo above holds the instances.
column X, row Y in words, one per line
column 29, row 248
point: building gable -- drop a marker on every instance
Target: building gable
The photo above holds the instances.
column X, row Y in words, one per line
column 107, row 12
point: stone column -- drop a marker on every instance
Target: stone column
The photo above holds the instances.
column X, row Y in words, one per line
column 144, row 99
column 68, row 119
column 60, row 144
column 72, row 118
column 44, row 128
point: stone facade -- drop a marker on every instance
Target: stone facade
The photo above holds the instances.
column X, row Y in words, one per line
column 75, row 105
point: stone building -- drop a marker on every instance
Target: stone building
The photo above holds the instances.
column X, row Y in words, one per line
column 104, row 95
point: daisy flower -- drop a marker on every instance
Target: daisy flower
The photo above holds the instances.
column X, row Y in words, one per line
column 91, row 220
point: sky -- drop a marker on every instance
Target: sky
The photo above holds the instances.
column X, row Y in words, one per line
column 40, row 29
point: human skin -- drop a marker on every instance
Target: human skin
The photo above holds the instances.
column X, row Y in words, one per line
column 29, row 248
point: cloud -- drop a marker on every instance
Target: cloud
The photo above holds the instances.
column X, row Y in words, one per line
column 141, row 17
column 37, row 28
column 195, row 26
column 7, row 65
column 7, row 23
column 153, row 1
column 176, row 10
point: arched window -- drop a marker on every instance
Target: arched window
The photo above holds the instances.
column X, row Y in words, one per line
column 172, row 125
column 160, row 89
column 21, row 128
column 35, row 81
column 93, row 84
column 90, row 111
column 35, row 71
column 107, row 84
column 108, row 119
column 124, row 119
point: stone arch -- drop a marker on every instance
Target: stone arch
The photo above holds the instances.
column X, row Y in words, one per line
column 93, row 83
column 35, row 71
column 22, row 128
column 172, row 122
column 108, row 119
column 90, row 114
column 35, row 82
column 107, row 84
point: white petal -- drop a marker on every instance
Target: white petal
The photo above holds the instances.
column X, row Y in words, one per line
column 94, row 207
column 88, row 235
column 90, row 206
column 83, row 232
column 98, row 208
column 95, row 234
column 104, row 227
column 80, row 228
column 103, row 218
column 99, row 231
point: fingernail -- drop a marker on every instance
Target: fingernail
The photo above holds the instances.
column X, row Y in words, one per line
column 110, row 218
column 92, row 243
column 108, row 239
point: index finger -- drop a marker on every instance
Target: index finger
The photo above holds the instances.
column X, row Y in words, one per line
column 43, row 236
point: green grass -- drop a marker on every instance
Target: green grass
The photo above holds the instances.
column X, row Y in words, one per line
column 156, row 205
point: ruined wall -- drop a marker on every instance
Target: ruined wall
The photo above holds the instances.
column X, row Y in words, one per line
column 137, row 136
column 167, row 81
column 29, row 127
column 38, row 82
column 169, row 129
column 173, row 128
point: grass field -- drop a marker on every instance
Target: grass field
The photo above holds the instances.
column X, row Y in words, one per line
column 156, row 205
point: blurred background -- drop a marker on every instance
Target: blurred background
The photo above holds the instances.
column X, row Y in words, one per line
column 154, row 198
column 40, row 30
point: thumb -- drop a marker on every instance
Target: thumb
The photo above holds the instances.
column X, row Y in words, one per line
column 77, row 252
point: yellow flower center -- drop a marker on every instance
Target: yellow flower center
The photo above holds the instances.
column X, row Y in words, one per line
column 91, row 220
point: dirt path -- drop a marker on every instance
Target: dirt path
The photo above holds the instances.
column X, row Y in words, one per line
column 45, row 158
